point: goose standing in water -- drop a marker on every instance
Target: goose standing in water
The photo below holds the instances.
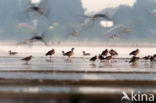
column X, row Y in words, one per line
column 69, row 53
column 26, row 59
column 50, row 53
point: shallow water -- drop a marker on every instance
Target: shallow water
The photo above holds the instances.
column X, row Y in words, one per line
column 62, row 68
column 78, row 74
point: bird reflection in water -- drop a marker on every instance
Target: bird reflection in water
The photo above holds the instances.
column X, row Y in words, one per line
column 134, row 65
column 68, row 60
column 93, row 65
column 49, row 60
column 153, row 65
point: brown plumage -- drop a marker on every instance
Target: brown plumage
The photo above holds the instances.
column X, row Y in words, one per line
column 105, row 52
column 135, row 52
column 12, row 53
column 153, row 58
column 26, row 59
column 101, row 58
column 147, row 57
column 134, row 59
column 85, row 54
column 93, row 59
column 113, row 52
column 69, row 53
column 51, row 52
column 108, row 58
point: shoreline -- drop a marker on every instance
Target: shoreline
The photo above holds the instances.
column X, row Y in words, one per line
column 87, row 44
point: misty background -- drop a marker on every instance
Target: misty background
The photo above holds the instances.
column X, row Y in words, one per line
column 68, row 21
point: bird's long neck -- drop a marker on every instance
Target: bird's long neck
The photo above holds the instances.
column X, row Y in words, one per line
column 63, row 52
column 72, row 50
column 84, row 53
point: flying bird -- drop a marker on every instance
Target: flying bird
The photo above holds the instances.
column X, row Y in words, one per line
column 97, row 16
column 33, row 7
column 36, row 38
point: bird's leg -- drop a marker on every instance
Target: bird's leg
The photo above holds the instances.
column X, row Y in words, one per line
column 26, row 63
column 50, row 57
column 93, row 63
column 111, row 60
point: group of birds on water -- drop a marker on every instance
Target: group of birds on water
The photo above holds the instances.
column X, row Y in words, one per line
column 49, row 53
column 106, row 55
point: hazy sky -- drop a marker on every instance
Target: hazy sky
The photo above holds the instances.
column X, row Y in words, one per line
column 96, row 5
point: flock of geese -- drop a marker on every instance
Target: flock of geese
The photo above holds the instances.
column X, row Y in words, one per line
column 106, row 55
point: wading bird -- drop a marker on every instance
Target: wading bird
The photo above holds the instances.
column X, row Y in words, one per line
column 85, row 54
column 105, row 52
column 146, row 58
column 26, row 59
column 93, row 59
column 101, row 58
column 50, row 53
column 69, row 53
column 113, row 52
column 135, row 52
column 153, row 58
column 12, row 53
